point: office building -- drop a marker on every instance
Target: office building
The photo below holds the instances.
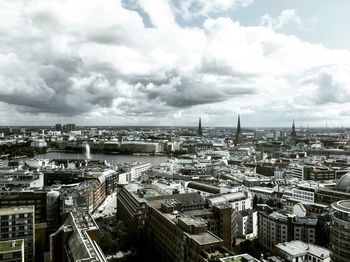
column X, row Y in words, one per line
column 175, row 236
column 340, row 231
column 247, row 224
column 76, row 240
column 19, row 223
column 274, row 228
column 12, row 250
column 331, row 194
column 21, row 179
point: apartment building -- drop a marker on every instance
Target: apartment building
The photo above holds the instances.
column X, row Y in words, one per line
column 274, row 228
column 19, row 223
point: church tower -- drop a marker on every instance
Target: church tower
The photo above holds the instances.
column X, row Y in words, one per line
column 238, row 131
column 293, row 134
column 200, row 131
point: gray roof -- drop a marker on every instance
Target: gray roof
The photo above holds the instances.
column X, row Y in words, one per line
column 204, row 187
column 343, row 183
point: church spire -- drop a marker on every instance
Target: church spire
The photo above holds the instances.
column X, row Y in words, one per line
column 238, row 131
column 293, row 133
column 200, row 131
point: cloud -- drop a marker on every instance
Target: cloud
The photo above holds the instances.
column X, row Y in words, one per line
column 130, row 62
column 189, row 9
column 329, row 85
column 287, row 17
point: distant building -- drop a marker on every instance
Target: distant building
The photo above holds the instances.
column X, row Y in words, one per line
column 140, row 147
column 39, row 143
column 58, row 127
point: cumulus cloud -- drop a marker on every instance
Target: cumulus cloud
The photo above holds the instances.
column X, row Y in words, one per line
column 190, row 9
column 287, row 17
column 329, row 85
column 130, row 62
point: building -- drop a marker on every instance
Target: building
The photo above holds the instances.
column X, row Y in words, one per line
column 132, row 200
column 204, row 189
column 340, row 231
column 174, row 236
column 69, row 127
column 237, row 200
column 304, row 194
column 296, row 170
column 12, row 250
column 21, row 180
column 140, row 147
column 58, row 127
column 131, row 203
column 133, row 171
column 263, row 193
column 274, row 228
column 19, row 223
column 76, row 240
column 296, row 250
column 247, row 223
column 39, row 143
column 221, row 220
column 331, row 194
column 17, row 198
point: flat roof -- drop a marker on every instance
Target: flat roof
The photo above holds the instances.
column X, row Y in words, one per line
column 16, row 210
column 205, row 238
column 297, row 248
column 11, row 245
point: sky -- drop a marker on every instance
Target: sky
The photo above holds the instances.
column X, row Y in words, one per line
column 169, row 62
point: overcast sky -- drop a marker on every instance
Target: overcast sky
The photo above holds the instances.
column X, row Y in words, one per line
column 168, row 62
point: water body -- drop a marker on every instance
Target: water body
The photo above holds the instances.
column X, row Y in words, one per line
column 114, row 159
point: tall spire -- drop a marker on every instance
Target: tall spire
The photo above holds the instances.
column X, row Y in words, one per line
column 238, row 131
column 293, row 134
column 200, row 131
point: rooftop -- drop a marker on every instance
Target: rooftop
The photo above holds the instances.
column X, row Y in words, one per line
column 202, row 238
column 11, row 245
column 205, row 238
column 16, row 210
column 344, row 183
column 342, row 205
column 297, row 248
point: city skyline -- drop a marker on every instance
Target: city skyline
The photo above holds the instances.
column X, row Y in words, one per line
column 168, row 62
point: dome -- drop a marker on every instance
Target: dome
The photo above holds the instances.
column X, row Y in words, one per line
column 343, row 183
